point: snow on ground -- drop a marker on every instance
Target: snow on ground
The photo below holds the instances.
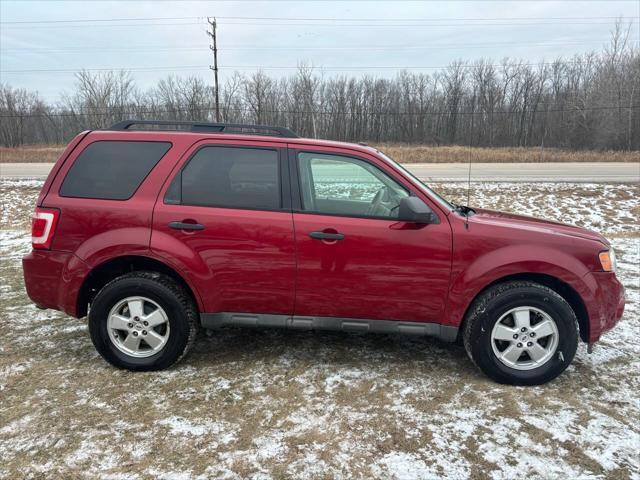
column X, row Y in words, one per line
column 274, row 404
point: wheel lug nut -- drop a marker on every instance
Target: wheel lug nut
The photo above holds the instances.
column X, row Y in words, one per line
column 529, row 344
column 532, row 334
column 145, row 323
column 135, row 334
column 136, row 319
column 524, row 329
column 515, row 335
column 130, row 325
column 519, row 345
column 144, row 332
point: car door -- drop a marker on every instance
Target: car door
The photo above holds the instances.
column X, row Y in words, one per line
column 355, row 259
column 224, row 220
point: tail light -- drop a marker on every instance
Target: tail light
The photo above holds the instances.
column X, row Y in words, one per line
column 43, row 226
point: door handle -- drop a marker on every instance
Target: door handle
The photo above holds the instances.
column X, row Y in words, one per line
column 186, row 226
column 326, row 236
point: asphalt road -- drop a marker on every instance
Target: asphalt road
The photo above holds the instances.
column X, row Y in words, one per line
column 484, row 172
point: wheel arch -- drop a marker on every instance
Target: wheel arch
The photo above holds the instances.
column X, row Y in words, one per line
column 562, row 288
column 103, row 273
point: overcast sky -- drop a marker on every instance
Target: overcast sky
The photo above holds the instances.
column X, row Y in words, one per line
column 338, row 37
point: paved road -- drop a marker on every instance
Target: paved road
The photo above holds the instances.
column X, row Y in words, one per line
column 485, row 172
column 531, row 172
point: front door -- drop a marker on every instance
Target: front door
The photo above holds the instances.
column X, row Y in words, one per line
column 355, row 259
column 225, row 221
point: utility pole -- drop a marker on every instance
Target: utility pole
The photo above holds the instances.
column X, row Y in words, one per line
column 214, row 67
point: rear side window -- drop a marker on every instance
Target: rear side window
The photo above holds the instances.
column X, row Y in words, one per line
column 229, row 177
column 112, row 170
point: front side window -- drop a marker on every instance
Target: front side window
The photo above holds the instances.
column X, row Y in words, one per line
column 444, row 203
column 338, row 185
column 112, row 170
column 229, row 177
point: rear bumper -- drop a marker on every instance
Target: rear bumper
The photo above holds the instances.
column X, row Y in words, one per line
column 53, row 279
column 607, row 305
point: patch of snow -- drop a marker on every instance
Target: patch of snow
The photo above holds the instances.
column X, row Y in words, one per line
column 406, row 466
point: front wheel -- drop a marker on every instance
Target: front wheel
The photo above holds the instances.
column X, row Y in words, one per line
column 143, row 321
column 521, row 333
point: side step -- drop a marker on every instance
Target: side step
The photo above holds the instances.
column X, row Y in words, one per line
column 217, row 321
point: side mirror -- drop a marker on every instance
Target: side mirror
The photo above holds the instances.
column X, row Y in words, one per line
column 414, row 210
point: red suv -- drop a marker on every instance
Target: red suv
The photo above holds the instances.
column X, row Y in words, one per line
column 157, row 228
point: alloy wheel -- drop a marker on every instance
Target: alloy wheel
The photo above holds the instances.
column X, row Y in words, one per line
column 524, row 338
column 138, row 327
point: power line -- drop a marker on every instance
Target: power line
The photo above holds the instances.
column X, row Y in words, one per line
column 424, row 19
column 18, row 27
column 140, row 48
column 97, row 20
column 326, row 19
column 289, row 67
column 566, row 94
column 496, row 23
column 321, row 112
column 109, row 69
column 404, row 25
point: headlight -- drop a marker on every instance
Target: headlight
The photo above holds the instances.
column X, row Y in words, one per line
column 608, row 260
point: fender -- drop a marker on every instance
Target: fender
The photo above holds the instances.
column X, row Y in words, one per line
column 173, row 250
column 148, row 254
column 510, row 260
column 182, row 271
column 100, row 248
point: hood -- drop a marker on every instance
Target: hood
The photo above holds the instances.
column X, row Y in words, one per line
column 535, row 224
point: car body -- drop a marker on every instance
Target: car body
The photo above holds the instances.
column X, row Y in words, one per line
column 310, row 256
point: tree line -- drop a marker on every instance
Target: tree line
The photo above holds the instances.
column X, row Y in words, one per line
column 588, row 101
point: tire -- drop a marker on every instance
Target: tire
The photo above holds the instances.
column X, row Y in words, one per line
column 501, row 311
column 172, row 321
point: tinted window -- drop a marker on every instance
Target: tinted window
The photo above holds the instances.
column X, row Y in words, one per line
column 337, row 185
column 112, row 170
column 229, row 177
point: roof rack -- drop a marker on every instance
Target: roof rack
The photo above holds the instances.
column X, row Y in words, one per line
column 209, row 127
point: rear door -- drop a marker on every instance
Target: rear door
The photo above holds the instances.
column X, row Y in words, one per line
column 225, row 218
column 355, row 259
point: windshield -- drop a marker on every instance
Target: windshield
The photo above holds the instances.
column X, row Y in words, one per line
column 428, row 190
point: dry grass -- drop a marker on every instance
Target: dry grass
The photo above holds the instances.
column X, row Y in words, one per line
column 404, row 153
column 31, row 154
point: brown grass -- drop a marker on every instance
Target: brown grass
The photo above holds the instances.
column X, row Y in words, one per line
column 404, row 153
column 31, row 154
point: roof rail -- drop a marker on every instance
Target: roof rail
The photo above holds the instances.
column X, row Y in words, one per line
column 206, row 127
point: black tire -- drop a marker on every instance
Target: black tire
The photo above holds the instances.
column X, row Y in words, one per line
column 163, row 290
column 487, row 309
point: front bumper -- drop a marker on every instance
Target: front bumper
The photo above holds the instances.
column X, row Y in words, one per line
column 607, row 305
column 53, row 279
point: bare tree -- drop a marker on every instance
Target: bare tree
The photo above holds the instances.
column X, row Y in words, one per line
column 586, row 101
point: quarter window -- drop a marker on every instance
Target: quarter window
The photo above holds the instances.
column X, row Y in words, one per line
column 338, row 185
column 112, row 170
column 229, row 177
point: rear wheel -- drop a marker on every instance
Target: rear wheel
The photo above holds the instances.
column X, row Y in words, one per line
column 521, row 333
column 143, row 321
